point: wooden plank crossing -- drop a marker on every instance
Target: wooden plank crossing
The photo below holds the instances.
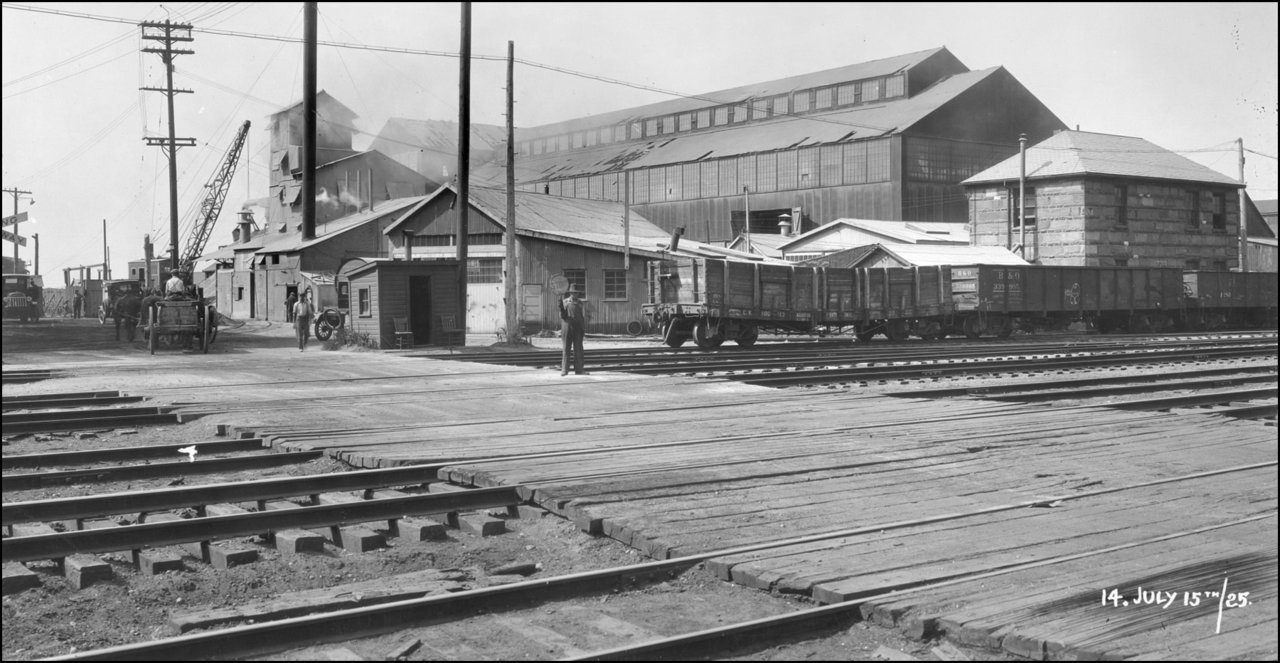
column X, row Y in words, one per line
column 998, row 524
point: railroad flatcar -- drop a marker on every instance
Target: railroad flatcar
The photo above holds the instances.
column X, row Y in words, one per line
column 712, row 300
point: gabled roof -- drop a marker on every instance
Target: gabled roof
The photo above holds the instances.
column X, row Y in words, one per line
column 900, row 232
column 925, row 255
column 1074, row 153
column 595, row 223
column 691, row 248
column 881, row 67
column 293, row 241
column 764, row 244
column 331, row 104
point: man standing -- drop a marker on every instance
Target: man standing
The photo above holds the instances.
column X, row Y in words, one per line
column 77, row 304
column 302, row 312
column 573, row 326
column 288, row 306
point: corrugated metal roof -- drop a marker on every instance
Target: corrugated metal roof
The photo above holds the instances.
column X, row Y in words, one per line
column 1086, row 153
column 290, row 242
column 873, row 68
column 440, row 135
column 854, row 123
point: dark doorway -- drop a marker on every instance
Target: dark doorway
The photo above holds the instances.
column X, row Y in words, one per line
column 420, row 309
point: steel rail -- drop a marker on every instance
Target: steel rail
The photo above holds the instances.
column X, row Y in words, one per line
column 1082, row 382
column 1192, row 400
column 255, row 639
column 30, row 404
column 1058, row 392
column 208, row 528
column 61, row 458
column 810, row 376
column 32, row 480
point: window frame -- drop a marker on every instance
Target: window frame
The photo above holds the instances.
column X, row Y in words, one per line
column 1219, row 211
column 364, row 303
column 1121, row 192
column 575, row 277
column 613, row 279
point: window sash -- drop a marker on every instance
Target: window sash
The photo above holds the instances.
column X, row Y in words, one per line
column 615, row 284
column 366, row 308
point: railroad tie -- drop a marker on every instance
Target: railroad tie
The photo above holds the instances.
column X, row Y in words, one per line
column 291, row 541
column 352, row 538
column 480, row 524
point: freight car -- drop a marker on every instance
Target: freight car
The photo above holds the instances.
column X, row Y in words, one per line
column 712, row 300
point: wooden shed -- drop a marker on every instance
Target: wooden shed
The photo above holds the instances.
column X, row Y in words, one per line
column 383, row 296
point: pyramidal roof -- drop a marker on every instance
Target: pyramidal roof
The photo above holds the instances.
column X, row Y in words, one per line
column 1070, row 153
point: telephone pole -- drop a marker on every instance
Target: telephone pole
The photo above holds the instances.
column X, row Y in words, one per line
column 464, row 162
column 168, row 34
column 513, row 302
column 1244, row 215
column 17, row 240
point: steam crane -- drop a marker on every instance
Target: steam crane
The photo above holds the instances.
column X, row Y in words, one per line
column 212, row 205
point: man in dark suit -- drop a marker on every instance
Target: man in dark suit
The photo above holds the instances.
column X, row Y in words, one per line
column 573, row 326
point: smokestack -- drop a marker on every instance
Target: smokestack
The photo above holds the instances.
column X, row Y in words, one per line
column 675, row 238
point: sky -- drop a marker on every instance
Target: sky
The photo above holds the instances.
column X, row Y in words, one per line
column 1189, row 77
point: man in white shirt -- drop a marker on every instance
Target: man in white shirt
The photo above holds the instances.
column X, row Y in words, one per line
column 175, row 286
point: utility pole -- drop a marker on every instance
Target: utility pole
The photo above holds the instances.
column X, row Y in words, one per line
column 16, row 193
column 1244, row 216
column 106, row 253
column 513, row 301
column 746, row 203
column 36, row 238
column 168, row 34
column 1022, row 196
column 464, row 161
column 309, row 122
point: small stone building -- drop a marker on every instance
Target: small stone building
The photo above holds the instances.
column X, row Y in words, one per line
column 1104, row 200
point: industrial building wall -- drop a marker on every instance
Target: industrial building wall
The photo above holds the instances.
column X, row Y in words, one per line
column 540, row 261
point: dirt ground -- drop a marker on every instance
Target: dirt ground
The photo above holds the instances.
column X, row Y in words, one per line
column 54, row 619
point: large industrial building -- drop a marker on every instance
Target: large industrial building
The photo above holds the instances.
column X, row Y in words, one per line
column 888, row 139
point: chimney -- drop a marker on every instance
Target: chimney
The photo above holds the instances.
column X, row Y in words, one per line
column 675, row 238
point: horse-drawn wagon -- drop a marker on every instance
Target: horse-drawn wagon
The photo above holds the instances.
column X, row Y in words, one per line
column 186, row 321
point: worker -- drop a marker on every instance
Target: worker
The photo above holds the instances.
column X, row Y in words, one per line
column 175, row 287
column 573, row 326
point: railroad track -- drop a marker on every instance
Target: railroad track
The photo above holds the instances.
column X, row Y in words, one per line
column 443, row 621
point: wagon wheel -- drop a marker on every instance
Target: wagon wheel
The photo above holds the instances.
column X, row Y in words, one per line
column 635, row 328
column 151, row 338
column 748, row 337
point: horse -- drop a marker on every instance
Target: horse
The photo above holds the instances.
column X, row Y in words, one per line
column 126, row 310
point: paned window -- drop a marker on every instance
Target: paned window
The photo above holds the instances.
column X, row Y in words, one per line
column 1029, row 207
column 577, row 139
column 786, row 170
column 484, row 270
column 747, row 172
column 606, row 135
column 685, row 121
column 822, row 98
column 871, row 90
column 432, row 240
column 721, row 116
column 855, row 163
column 580, row 187
column 766, row 172
column 651, row 127
column 1193, row 218
column 484, row 239
column 802, row 100
column 562, row 143
column 1219, row 211
column 366, row 307
column 591, row 137
column 595, row 187
column 702, row 119
column 847, row 93
column 640, row 186
column 344, row 295
column 637, row 131
column 739, row 113
column 669, row 124
column 807, row 171
column 576, row 277
column 710, row 178
column 537, row 146
column 692, row 180
column 780, row 105
column 759, row 109
column 728, row 177
column 619, row 133
column 830, row 164
column 895, row 86
column 675, row 182
column 615, row 284
column 657, row 184
column 878, row 161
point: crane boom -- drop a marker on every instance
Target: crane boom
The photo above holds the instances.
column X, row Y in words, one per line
column 212, row 205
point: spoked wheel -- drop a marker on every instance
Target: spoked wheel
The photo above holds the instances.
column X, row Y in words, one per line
column 707, row 337
column 747, row 337
column 635, row 328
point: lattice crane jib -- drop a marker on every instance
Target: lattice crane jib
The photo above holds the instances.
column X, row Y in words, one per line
column 212, row 205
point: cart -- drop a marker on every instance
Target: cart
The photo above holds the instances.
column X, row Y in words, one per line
column 192, row 321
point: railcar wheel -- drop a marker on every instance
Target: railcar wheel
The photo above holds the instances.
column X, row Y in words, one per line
column 931, row 331
column 972, row 327
column 896, row 330
column 1006, row 328
column 748, row 337
column 706, row 337
column 671, row 336
column 864, row 334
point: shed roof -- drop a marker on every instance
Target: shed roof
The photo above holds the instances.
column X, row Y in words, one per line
column 290, row 242
column 1068, row 153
